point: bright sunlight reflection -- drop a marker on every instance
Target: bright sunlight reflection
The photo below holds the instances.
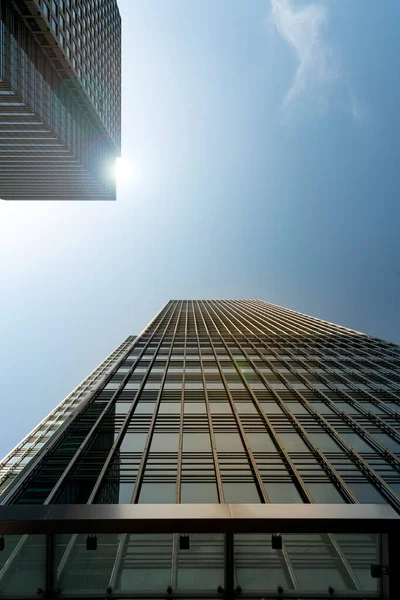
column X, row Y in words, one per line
column 123, row 170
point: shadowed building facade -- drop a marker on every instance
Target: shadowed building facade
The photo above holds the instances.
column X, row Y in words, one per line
column 233, row 449
column 60, row 99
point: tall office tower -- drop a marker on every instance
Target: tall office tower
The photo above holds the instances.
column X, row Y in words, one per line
column 235, row 449
column 60, row 99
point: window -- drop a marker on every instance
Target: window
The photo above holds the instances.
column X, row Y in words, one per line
column 157, row 493
column 357, row 443
column 195, row 408
column 240, row 493
column 167, row 408
column 271, row 408
column 122, row 407
column 325, row 493
column 325, row 442
column 387, row 441
column 125, row 492
column 293, row 442
column 164, row 442
column 199, row 493
column 144, row 408
column 261, row 442
column 366, row 493
column 133, row 442
column 282, row 493
column 246, row 408
column 46, row 11
column 228, row 442
column 220, row 407
column 54, row 25
column 196, row 442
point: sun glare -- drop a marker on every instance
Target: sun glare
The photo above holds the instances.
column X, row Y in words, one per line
column 123, row 170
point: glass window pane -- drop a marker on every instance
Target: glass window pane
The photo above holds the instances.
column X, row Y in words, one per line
column 261, row 442
column 81, row 573
column 296, row 408
column 195, row 408
column 202, row 566
column 316, row 564
column 173, row 408
column 196, row 442
column 241, row 493
column 366, row 493
column 125, row 492
column 220, row 407
column 244, row 408
column 293, row 442
column 282, row 493
column 146, row 563
column 27, row 571
column 157, row 493
column 361, row 551
column 325, row 493
column 228, row 442
column 144, row 408
column 258, row 566
column 325, row 442
column 133, row 442
column 388, row 442
column 271, row 408
column 357, row 443
column 122, row 407
column 164, row 442
column 199, row 493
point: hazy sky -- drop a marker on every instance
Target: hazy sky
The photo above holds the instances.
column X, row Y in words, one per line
column 264, row 138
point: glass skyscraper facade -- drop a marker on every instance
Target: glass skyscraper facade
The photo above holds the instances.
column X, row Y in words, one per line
column 60, row 99
column 232, row 449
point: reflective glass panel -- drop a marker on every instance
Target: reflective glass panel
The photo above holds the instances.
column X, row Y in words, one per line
column 146, row 563
column 199, row 493
column 196, row 442
column 282, row 493
column 81, row 570
column 133, row 442
column 258, row 566
column 201, row 567
column 26, row 573
column 157, row 493
column 241, row 493
column 164, row 442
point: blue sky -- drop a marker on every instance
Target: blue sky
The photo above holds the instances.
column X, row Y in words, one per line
column 264, row 140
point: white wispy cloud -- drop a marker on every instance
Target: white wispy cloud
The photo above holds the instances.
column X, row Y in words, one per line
column 318, row 72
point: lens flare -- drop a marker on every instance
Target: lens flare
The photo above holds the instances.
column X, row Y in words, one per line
column 123, row 170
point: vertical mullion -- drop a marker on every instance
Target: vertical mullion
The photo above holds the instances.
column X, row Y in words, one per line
column 329, row 468
column 125, row 537
column 209, row 417
column 303, row 487
column 146, row 448
column 95, row 427
column 271, row 430
column 257, row 477
column 371, row 473
column 174, row 569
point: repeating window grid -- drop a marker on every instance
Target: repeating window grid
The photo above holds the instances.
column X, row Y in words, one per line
column 201, row 365
column 100, row 30
column 60, row 116
column 13, row 463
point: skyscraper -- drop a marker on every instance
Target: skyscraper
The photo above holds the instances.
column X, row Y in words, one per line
column 60, row 99
column 264, row 444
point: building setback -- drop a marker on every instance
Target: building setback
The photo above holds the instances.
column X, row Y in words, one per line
column 232, row 449
column 60, row 99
